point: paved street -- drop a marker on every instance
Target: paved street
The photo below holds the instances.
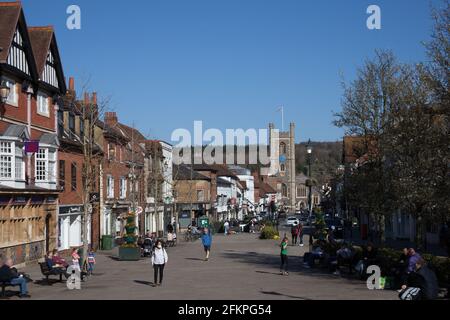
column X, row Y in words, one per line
column 242, row 267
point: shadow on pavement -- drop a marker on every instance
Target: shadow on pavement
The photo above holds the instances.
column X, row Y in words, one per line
column 44, row 282
column 266, row 272
column 284, row 295
column 146, row 283
column 295, row 265
column 9, row 294
column 194, row 259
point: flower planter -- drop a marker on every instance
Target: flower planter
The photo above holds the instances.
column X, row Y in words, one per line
column 129, row 254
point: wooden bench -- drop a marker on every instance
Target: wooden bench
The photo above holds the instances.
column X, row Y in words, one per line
column 47, row 272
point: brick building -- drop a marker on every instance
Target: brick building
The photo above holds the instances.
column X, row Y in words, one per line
column 73, row 127
column 115, row 169
column 30, row 67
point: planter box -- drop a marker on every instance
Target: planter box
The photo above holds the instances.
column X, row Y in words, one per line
column 129, row 254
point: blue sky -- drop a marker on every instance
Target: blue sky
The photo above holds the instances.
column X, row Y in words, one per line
column 230, row 63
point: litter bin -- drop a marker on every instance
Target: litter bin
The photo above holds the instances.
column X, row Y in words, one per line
column 107, row 242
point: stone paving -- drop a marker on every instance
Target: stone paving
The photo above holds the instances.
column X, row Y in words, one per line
column 241, row 267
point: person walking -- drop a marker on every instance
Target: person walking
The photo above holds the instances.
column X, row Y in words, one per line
column 207, row 241
column 284, row 257
column 91, row 261
column 294, row 233
column 300, row 234
column 226, row 227
column 159, row 261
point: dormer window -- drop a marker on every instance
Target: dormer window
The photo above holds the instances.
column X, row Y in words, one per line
column 42, row 104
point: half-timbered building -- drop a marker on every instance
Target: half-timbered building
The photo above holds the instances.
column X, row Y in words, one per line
column 30, row 67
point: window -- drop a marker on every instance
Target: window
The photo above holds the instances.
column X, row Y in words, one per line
column 6, row 156
column 200, row 195
column 13, row 98
column 60, row 123
column 62, row 174
column 283, row 168
column 81, row 127
column 71, row 124
column 73, row 175
column 110, row 186
column 301, row 192
column 282, row 148
column 284, row 190
column 45, row 165
column 123, row 188
column 42, row 103
column 42, row 165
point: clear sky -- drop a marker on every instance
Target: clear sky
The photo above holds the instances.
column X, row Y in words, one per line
column 230, row 63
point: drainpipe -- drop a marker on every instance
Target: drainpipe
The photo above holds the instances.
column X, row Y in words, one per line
column 29, row 95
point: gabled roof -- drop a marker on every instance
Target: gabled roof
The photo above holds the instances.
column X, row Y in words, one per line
column 50, row 139
column 12, row 16
column 43, row 40
column 9, row 13
column 17, row 131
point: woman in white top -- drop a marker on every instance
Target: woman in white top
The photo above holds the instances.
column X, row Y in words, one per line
column 159, row 260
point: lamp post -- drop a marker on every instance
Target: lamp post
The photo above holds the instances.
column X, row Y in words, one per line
column 309, row 155
column 4, row 93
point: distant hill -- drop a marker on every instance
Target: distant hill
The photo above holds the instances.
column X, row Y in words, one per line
column 327, row 156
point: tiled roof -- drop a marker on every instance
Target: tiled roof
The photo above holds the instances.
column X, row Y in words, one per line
column 183, row 172
column 9, row 13
column 41, row 38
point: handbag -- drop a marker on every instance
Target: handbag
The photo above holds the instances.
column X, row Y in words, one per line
column 410, row 294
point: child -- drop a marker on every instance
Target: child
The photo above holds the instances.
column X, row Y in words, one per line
column 91, row 261
column 76, row 260
column 284, row 257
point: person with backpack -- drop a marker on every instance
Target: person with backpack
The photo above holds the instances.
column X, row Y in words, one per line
column 159, row 261
column 284, row 257
column 294, row 233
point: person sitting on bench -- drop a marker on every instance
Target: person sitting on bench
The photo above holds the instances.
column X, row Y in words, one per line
column 10, row 274
column 57, row 260
column 55, row 268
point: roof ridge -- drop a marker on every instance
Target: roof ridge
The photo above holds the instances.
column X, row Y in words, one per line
column 11, row 4
column 42, row 28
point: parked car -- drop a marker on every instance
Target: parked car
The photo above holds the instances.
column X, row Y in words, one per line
column 292, row 221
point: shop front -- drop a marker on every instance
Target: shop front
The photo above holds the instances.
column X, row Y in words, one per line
column 70, row 227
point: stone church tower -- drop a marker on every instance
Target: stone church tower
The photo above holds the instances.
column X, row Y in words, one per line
column 282, row 162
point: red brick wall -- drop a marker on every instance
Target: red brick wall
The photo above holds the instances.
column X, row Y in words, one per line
column 68, row 196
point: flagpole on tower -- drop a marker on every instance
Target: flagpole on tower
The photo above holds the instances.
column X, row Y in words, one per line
column 281, row 109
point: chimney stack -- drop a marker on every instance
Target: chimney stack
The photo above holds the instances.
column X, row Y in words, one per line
column 94, row 98
column 111, row 119
column 71, row 84
column 86, row 98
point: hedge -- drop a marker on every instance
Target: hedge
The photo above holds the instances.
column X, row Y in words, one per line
column 269, row 233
